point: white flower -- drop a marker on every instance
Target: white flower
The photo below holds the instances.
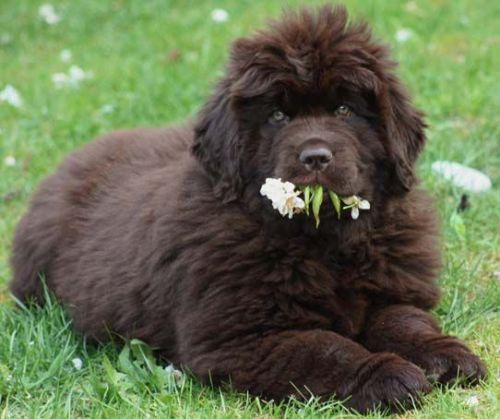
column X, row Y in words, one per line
column 76, row 74
column 11, row 96
column 355, row 203
column 175, row 373
column 403, row 35
column 60, row 80
column 107, row 108
column 72, row 79
column 65, row 55
column 219, row 15
column 10, row 161
column 283, row 196
column 77, row 363
column 472, row 401
column 48, row 14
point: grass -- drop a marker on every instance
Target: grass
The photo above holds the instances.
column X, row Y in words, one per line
column 154, row 62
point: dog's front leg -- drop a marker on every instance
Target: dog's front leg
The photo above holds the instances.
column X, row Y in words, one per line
column 317, row 362
column 414, row 334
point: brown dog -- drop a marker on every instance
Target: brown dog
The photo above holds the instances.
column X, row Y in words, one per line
column 162, row 235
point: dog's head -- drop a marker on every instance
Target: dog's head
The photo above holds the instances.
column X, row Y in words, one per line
column 310, row 100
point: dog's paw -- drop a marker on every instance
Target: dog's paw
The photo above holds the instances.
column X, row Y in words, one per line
column 388, row 381
column 446, row 360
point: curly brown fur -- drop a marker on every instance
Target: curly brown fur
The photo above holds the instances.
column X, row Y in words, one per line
column 162, row 235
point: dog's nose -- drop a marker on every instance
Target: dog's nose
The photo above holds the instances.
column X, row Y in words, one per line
column 315, row 158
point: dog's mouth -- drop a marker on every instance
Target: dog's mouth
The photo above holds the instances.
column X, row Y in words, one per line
column 341, row 187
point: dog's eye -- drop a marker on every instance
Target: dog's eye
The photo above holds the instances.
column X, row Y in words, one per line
column 278, row 117
column 343, row 110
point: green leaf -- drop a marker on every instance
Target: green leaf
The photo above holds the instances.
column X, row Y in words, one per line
column 143, row 354
column 111, row 373
column 336, row 202
column 124, row 362
column 317, row 200
column 458, row 225
column 307, row 198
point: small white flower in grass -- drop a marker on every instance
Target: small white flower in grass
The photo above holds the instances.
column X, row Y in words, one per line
column 219, row 15
column 10, row 161
column 355, row 203
column 472, row 401
column 65, row 55
column 48, row 14
column 11, row 96
column 76, row 74
column 60, row 80
column 175, row 373
column 283, row 196
column 107, row 109
column 73, row 79
column 404, row 35
column 77, row 363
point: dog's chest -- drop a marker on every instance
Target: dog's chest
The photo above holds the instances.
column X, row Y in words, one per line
column 318, row 285
column 313, row 296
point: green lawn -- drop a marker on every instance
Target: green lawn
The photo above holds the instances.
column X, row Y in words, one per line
column 153, row 62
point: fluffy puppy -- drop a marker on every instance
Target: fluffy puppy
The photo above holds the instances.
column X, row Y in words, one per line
column 162, row 235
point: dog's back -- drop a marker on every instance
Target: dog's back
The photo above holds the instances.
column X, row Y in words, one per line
column 103, row 169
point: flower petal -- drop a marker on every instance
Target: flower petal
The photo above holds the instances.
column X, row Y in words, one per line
column 65, row 55
column 403, row 35
column 48, row 14
column 288, row 187
column 219, row 15
column 11, row 96
column 299, row 203
column 349, row 200
column 472, row 401
column 354, row 213
column 10, row 161
column 284, row 198
column 77, row 363
column 364, row 204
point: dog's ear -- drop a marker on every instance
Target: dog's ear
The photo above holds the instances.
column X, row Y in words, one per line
column 404, row 129
column 216, row 144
